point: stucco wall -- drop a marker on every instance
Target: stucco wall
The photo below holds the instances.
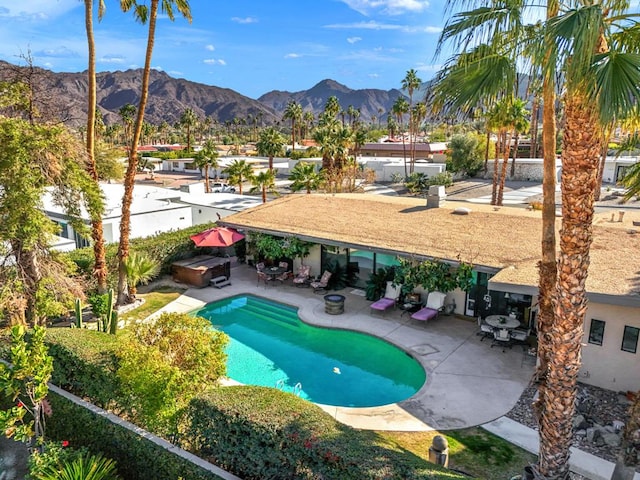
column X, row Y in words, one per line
column 607, row 365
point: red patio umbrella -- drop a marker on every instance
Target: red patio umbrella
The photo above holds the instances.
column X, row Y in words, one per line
column 217, row 237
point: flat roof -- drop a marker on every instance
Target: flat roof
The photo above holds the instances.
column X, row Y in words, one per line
column 491, row 238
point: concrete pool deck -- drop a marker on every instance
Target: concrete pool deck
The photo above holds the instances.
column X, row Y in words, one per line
column 468, row 383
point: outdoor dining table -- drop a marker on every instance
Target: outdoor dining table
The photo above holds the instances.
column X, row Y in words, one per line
column 502, row 321
column 274, row 272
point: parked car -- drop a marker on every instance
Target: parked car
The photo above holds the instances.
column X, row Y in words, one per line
column 222, row 188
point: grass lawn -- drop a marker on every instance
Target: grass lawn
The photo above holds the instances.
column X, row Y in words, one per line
column 153, row 301
column 473, row 451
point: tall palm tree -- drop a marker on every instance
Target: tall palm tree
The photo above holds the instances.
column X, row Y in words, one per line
column 144, row 14
column 399, row 108
column 293, row 112
column 97, row 232
column 238, row 172
column 207, row 158
column 270, row 144
column 520, row 125
column 264, row 182
column 332, row 107
column 305, row 177
column 188, row 120
column 597, row 60
column 409, row 83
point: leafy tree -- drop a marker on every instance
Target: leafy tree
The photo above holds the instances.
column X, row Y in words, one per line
column 305, row 177
column 239, row 171
column 35, row 159
column 164, row 364
column 142, row 13
column 24, row 381
column 264, row 182
column 465, row 154
column 270, row 144
column 108, row 163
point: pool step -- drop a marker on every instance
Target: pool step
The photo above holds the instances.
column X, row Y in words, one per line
column 272, row 313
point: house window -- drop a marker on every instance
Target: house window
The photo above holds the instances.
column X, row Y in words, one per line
column 596, row 332
column 630, row 339
column 175, row 164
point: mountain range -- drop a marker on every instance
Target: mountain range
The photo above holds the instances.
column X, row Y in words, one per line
column 169, row 97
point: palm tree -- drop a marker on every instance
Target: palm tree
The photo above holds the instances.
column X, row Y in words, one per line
column 520, row 125
column 399, row 108
column 305, row 177
column 332, row 107
column 127, row 113
column 143, row 14
column 270, row 144
column 597, row 60
column 140, row 269
column 207, row 158
column 238, row 172
column 264, row 182
column 409, row 83
column 97, row 232
column 188, row 120
column 293, row 112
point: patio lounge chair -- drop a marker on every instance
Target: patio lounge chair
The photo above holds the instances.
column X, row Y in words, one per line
column 303, row 276
column 435, row 304
column 389, row 300
column 321, row 284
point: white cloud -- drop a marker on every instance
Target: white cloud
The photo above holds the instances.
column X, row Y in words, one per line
column 211, row 48
column 36, row 9
column 214, row 61
column 373, row 75
column 118, row 59
column 292, row 55
column 373, row 25
column 386, row 7
column 353, row 40
column 428, row 68
column 244, row 20
column 59, row 52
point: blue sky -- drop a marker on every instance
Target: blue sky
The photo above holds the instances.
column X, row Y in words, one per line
column 250, row 46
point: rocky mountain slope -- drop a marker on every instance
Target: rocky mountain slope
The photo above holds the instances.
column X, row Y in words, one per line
column 169, row 97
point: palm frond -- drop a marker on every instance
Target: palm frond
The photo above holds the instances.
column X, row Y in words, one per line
column 617, row 84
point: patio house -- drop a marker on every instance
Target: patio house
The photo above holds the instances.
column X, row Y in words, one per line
column 365, row 232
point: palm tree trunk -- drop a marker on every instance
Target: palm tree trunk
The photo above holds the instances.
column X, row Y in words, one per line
column 533, row 147
column 580, row 156
column 206, row 179
column 97, row 232
column 515, row 155
column 486, row 151
column 130, row 176
column 625, row 466
column 548, row 269
column 505, row 164
column 494, row 185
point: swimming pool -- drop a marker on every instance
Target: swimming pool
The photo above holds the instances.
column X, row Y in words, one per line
column 271, row 347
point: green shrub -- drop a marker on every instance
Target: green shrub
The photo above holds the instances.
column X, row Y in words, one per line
column 137, row 457
column 259, row 432
column 84, row 363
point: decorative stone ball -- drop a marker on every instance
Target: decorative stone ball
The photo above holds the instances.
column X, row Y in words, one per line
column 439, row 443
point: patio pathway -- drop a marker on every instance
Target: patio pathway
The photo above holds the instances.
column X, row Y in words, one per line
column 468, row 383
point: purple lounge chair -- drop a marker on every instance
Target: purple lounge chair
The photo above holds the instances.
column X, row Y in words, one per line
column 435, row 304
column 389, row 300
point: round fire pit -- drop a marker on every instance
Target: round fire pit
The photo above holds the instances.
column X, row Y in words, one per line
column 334, row 304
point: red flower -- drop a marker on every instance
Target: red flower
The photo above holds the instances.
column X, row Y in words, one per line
column 65, row 443
column 20, row 404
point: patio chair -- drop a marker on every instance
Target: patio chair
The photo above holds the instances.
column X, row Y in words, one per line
column 260, row 266
column 389, row 300
column 303, row 276
column 285, row 275
column 435, row 304
column 501, row 337
column 262, row 278
column 485, row 329
column 520, row 335
column 321, row 285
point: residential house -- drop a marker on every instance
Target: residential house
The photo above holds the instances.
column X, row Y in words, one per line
column 365, row 232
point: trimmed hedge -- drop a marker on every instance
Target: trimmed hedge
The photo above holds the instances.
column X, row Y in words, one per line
column 165, row 248
column 84, row 363
column 137, row 457
column 258, row 433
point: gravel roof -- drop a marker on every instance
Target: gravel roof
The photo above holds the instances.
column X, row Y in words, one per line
column 489, row 237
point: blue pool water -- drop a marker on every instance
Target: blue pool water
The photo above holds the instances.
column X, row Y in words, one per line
column 270, row 346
